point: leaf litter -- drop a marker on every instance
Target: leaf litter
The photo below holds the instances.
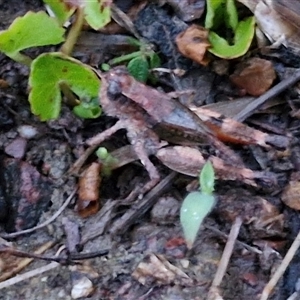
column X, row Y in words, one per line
column 126, row 233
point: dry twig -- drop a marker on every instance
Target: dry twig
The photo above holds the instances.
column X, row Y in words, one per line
column 283, row 266
column 235, row 229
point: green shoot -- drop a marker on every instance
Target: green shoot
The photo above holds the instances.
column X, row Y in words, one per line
column 139, row 62
column 197, row 205
column 224, row 12
column 107, row 160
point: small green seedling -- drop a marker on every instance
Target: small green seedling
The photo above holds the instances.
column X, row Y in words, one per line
column 107, row 160
column 88, row 109
column 139, row 62
column 197, row 205
column 224, row 12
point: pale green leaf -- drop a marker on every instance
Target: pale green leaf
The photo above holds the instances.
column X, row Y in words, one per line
column 207, row 178
column 97, row 13
column 195, row 207
column 62, row 10
column 102, row 153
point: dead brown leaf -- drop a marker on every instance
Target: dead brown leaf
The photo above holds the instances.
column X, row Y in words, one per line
column 88, row 194
column 255, row 75
column 155, row 268
column 193, row 44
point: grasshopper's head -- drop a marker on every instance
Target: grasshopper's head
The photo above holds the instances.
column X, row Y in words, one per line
column 116, row 80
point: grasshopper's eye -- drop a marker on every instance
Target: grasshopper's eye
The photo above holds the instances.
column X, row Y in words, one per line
column 114, row 89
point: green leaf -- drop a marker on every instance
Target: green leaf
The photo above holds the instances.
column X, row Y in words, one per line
column 195, row 207
column 97, row 13
column 139, row 68
column 88, row 110
column 154, row 61
column 242, row 41
column 214, row 13
column 231, row 15
column 207, row 178
column 31, row 30
column 61, row 10
column 105, row 67
column 48, row 71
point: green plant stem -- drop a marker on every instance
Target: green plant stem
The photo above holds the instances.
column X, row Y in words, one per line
column 71, row 100
column 21, row 58
column 74, row 32
column 126, row 57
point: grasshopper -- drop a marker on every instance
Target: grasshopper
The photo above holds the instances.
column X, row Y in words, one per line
column 146, row 114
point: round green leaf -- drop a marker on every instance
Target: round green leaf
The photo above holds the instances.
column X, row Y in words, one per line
column 31, row 30
column 48, row 71
column 139, row 68
column 195, row 207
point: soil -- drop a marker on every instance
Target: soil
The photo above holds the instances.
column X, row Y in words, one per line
column 148, row 258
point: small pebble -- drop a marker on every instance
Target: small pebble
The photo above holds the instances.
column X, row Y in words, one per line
column 82, row 288
column 27, row 131
column 16, row 148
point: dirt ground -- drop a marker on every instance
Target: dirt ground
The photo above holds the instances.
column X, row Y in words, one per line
column 146, row 257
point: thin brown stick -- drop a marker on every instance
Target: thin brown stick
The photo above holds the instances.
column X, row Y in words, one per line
column 235, row 229
column 59, row 259
column 46, row 223
column 283, row 266
column 21, row 264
